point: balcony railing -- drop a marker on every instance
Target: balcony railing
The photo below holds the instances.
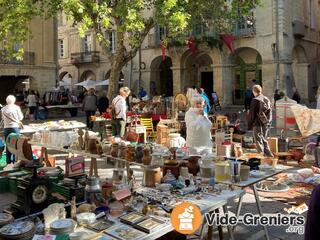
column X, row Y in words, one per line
column 154, row 40
column 85, row 57
column 28, row 59
column 244, row 28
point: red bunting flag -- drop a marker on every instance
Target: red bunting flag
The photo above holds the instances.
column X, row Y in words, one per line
column 229, row 41
column 192, row 45
column 163, row 51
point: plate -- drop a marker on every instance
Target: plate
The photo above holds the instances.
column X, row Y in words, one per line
column 257, row 174
column 271, row 187
column 17, row 228
column 62, row 224
column 266, row 168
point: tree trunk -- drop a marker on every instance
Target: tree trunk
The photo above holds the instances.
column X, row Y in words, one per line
column 114, row 80
column 116, row 66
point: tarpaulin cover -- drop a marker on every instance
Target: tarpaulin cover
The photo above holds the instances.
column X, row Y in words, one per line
column 308, row 120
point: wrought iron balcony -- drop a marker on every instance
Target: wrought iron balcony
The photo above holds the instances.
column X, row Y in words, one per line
column 85, row 57
column 244, row 28
column 28, row 59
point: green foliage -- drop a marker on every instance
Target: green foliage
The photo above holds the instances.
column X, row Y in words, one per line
column 123, row 15
column 131, row 19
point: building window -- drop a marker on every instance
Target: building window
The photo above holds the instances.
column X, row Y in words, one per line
column 61, row 48
column 311, row 13
column 60, row 19
column 112, row 40
column 161, row 33
column 111, row 36
column 87, row 43
column 16, row 47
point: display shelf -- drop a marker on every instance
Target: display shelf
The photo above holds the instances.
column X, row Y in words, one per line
column 90, row 155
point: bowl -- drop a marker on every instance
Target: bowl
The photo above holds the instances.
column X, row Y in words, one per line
column 266, row 168
column 86, row 218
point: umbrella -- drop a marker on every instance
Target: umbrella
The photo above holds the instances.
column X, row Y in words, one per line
column 87, row 83
column 64, row 84
column 103, row 83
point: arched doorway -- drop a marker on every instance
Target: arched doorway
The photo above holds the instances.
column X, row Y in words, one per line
column 197, row 71
column 247, row 68
column 300, row 73
column 13, row 85
column 161, row 82
column 87, row 75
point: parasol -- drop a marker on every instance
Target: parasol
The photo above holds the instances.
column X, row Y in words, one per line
column 87, row 84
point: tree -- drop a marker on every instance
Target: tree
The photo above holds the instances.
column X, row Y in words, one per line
column 126, row 17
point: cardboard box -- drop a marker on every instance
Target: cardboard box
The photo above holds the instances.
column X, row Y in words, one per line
column 224, row 150
column 75, row 166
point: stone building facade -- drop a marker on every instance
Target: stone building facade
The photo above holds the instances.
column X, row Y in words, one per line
column 278, row 47
column 38, row 69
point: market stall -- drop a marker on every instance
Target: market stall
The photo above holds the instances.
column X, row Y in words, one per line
column 126, row 206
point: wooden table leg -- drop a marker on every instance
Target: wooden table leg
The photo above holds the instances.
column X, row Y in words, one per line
column 210, row 229
column 46, row 159
column 256, row 195
column 93, row 167
column 230, row 230
column 220, row 230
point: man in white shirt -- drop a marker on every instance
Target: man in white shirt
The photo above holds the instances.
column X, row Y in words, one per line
column 119, row 112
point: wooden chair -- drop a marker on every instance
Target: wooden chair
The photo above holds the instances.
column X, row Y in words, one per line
column 147, row 122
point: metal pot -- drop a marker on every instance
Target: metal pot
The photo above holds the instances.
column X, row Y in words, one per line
column 93, row 185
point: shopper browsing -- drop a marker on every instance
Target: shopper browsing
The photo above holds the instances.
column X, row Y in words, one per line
column 90, row 103
column 118, row 112
column 12, row 117
column 259, row 120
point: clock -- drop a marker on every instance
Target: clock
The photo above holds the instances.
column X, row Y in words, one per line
column 32, row 195
column 39, row 194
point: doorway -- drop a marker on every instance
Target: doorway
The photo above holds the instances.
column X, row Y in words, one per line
column 207, row 82
column 161, row 77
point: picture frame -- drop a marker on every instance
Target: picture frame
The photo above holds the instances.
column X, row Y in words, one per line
column 106, row 237
column 101, row 225
column 149, row 225
column 132, row 218
column 125, row 232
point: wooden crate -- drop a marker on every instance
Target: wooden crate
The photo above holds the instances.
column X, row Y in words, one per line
column 162, row 134
column 273, row 144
